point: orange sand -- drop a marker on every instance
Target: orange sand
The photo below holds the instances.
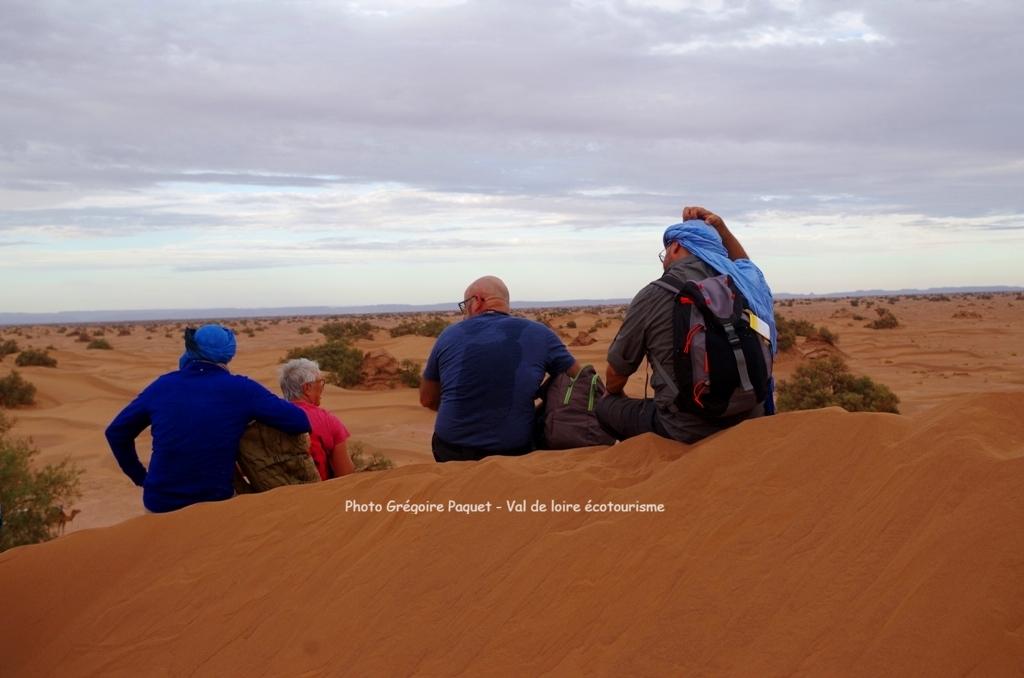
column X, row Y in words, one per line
column 821, row 543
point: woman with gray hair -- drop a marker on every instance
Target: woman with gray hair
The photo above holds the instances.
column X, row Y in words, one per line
column 303, row 384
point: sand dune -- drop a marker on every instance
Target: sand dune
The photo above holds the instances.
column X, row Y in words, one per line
column 822, row 543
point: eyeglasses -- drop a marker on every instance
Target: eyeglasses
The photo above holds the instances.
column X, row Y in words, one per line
column 465, row 302
column 663, row 253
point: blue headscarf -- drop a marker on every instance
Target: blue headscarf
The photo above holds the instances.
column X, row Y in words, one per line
column 213, row 343
column 705, row 243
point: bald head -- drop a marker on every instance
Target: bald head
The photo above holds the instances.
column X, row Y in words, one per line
column 489, row 294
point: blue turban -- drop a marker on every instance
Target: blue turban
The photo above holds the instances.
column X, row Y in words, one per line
column 213, row 343
column 705, row 243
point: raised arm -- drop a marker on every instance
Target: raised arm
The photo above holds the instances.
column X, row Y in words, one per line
column 732, row 246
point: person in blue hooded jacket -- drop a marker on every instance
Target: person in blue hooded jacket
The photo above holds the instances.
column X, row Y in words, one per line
column 700, row 247
column 198, row 415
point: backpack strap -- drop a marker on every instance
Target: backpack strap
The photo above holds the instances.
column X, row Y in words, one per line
column 676, row 289
column 593, row 387
column 737, row 350
column 572, row 383
column 664, row 284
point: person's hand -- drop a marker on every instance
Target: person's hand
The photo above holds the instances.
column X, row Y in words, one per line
column 705, row 215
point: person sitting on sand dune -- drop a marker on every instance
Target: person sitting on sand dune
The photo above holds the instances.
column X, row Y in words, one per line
column 699, row 248
column 482, row 376
column 303, row 384
column 198, row 415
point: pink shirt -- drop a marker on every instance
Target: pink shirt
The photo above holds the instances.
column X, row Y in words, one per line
column 327, row 433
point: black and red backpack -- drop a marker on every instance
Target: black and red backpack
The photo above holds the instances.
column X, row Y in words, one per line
column 723, row 366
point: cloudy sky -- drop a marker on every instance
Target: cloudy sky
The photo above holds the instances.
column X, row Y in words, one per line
column 198, row 154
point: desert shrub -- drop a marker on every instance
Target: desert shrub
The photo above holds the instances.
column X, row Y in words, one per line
column 99, row 333
column 99, row 344
column 31, row 501
column 827, row 381
column 15, row 391
column 337, row 359
column 305, row 329
column 785, row 336
column 364, row 461
column 938, row 297
column 124, row 332
column 854, row 302
column 35, row 357
column 788, row 330
column 827, row 335
column 8, row 347
column 431, row 327
column 885, row 320
column 82, row 337
column 409, row 373
column 571, row 324
column 346, row 331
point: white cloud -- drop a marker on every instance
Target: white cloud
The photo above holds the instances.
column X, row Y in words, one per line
column 838, row 28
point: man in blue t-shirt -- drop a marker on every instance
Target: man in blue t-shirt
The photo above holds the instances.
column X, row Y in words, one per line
column 483, row 374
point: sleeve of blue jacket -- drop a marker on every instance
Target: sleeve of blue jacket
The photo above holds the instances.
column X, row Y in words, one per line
column 277, row 412
column 121, row 435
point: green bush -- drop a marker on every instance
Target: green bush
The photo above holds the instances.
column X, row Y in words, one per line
column 34, row 357
column 31, row 501
column 362, row 462
column 346, row 331
column 885, row 320
column 339, row 360
column 100, row 344
column 16, row 391
column 8, row 347
column 827, row 381
column 410, row 373
column 430, row 327
column 827, row 335
column 788, row 330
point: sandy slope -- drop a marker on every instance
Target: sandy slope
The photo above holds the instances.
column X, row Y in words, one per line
column 821, row 543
